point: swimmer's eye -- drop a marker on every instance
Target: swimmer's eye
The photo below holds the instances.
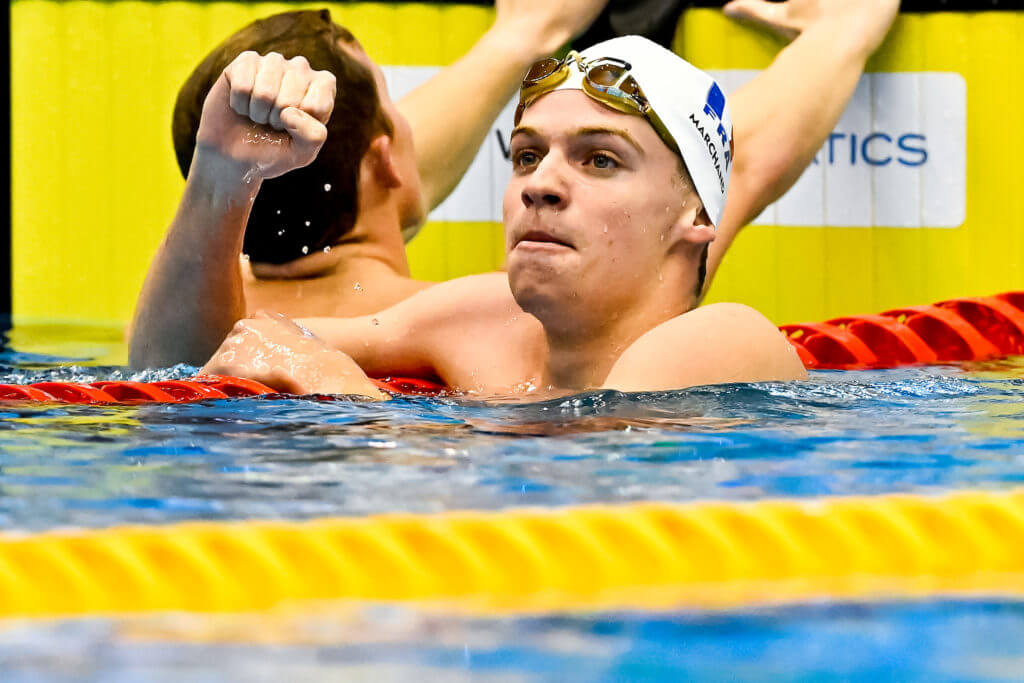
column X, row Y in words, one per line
column 603, row 162
column 524, row 158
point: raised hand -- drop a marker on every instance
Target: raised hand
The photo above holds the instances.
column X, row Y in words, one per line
column 871, row 18
column 266, row 115
column 550, row 22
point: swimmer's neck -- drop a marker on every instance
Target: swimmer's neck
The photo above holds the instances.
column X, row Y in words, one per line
column 583, row 359
column 582, row 349
column 375, row 237
column 319, row 264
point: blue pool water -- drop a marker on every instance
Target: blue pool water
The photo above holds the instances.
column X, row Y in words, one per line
column 940, row 641
column 916, row 429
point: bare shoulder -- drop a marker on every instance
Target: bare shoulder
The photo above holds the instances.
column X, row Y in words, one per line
column 467, row 310
column 712, row 344
column 484, row 292
column 484, row 298
column 475, row 335
column 721, row 318
column 441, row 310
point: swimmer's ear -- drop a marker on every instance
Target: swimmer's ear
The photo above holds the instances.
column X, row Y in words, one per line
column 693, row 227
column 381, row 162
column 704, row 228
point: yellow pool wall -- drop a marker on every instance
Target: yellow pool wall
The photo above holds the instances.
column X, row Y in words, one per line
column 95, row 183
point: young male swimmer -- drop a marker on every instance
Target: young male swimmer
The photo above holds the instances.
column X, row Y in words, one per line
column 196, row 289
column 621, row 164
column 326, row 239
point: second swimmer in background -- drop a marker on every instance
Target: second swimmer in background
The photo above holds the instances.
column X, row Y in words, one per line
column 197, row 288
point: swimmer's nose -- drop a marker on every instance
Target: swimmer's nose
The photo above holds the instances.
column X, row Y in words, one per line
column 545, row 186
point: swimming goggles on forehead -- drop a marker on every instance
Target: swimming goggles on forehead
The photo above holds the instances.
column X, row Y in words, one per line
column 605, row 79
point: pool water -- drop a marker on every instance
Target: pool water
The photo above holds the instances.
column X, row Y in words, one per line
column 938, row 641
column 922, row 430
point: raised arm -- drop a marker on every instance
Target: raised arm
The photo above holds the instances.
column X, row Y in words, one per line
column 784, row 115
column 452, row 112
column 264, row 117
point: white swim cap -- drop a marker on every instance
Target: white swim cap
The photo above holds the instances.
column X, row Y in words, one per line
column 689, row 103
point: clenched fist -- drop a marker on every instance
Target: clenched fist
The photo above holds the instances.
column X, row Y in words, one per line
column 266, row 115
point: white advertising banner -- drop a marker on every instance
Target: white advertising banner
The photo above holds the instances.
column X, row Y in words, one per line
column 897, row 158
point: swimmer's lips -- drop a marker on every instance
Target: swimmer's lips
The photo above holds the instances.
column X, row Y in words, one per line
column 541, row 239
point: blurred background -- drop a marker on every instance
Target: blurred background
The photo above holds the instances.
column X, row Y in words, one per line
column 914, row 198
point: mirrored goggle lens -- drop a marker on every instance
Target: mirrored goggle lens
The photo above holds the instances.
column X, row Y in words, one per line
column 606, row 75
column 541, row 70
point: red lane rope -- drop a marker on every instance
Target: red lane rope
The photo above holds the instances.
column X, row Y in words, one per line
column 171, row 391
column 975, row 328
column 892, row 342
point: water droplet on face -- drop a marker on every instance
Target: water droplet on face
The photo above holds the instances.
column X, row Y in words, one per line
column 375, row 322
column 358, row 287
column 327, row 187
column 305, row 249
column 606, row 229
column 327, row 249
column 245, row 257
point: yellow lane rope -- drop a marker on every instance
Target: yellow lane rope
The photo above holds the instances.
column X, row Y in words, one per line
column 645, row 555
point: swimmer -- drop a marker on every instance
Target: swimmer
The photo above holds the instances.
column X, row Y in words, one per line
column 622, row 160
column 783, row 117
column 324, row 236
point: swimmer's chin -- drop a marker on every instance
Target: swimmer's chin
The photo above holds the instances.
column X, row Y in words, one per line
column 540, row 293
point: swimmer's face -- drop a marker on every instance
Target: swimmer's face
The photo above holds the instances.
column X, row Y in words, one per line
column 403, row 152
column 596, row 209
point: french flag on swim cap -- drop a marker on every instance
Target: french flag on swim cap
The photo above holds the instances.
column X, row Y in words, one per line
column 716, row 107
column 692, row 106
